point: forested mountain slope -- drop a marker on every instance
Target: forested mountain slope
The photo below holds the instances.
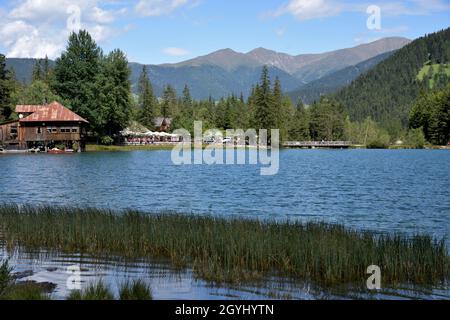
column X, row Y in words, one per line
column 331, row 83
column 386, row 92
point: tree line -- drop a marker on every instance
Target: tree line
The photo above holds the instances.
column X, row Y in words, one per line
column 97, row 87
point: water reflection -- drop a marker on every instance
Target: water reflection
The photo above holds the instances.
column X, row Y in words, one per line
column 168, row 283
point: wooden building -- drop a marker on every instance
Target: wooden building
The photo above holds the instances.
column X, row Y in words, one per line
column 163, row 124
column 44, row 126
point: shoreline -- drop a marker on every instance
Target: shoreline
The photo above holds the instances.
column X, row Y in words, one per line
column 114, row 148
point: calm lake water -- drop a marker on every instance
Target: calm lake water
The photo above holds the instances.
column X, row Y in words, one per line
column 405, row 191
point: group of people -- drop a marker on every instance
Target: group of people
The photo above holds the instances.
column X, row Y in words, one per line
column 151, row 140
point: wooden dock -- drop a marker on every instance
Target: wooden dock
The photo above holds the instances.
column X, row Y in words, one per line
column 318, row 144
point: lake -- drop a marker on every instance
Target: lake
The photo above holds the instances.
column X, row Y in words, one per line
column 405, row 191
column 383, row 190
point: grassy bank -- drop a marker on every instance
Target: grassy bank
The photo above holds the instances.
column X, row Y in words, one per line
column 99, row 148
column 10, row 289
column 231, row 250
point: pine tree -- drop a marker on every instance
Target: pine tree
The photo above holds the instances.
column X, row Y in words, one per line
column 187, row 99
column 147, row 101
column 46, row 70
column 278, row 103
column 299, row 127
column 6, row 89
column 42, row 70
column 169, row 103
column 265, row 115
column 184, row 119
column 37, row 71
column 75, row 73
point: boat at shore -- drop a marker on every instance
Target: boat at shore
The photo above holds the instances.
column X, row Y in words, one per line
column 56, row 151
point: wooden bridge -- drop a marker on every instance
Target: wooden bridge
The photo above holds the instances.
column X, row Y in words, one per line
column 317, row 144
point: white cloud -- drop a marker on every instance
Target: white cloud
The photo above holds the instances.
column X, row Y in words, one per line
column 177, row 52
column 314, row 9
column 35, row 28
column 24, row 40
column 310, row 9
column 33, row 10
column 153, row 8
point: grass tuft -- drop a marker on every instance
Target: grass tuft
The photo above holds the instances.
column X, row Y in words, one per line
column 135, row 290
column 95, row 291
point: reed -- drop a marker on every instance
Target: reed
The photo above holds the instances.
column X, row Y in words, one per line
column 135, row 290
column 232, row 250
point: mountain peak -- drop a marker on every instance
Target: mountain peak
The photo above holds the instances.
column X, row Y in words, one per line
column 261, row 50
column 227, row 59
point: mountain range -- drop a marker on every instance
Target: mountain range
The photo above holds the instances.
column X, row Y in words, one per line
column 226, row 72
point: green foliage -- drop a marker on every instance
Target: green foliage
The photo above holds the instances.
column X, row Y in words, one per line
column 135, row 290
column 147, row 101
column 75, row 74
column 95, row 86
column 415, row 138
column 95, row 291
column 106, row 140
column 6, row 278
column 38, row 92
column 169, row 105
column 387, row 91
column 434, row 74
column 25, row 291
column 11, row 290
column 299, row 126
column 6, row 88
column 367, row 133
column 42, row 71
column 185, row 117
column 114, row 97
column 431, row 112
column 380, row 142
column 327, row 120
column 265, row 108
column 331, row 83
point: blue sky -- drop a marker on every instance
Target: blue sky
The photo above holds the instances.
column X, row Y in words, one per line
column 164, row 31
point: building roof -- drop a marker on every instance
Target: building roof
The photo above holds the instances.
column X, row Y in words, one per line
column 159, row 121
column 50, row 112
column 27, row 108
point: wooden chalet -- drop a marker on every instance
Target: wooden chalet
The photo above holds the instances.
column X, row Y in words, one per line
column 44, row 127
